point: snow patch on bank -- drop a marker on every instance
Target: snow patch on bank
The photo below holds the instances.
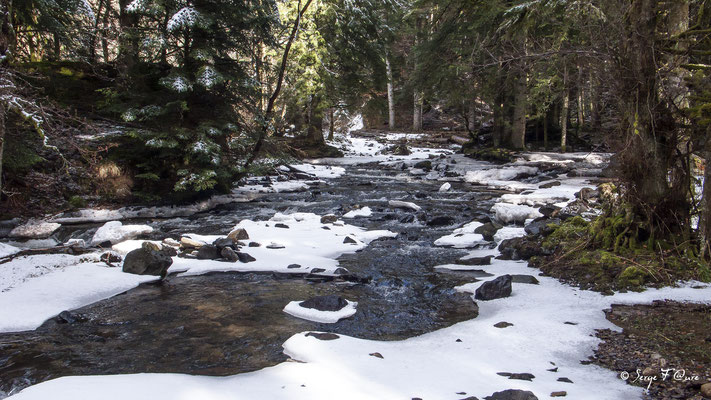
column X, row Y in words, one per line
column 35, row 288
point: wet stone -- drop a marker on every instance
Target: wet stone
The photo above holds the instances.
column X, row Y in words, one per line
column 323, row 336
column 325, row 303
column 512, row 394
column 245, row 258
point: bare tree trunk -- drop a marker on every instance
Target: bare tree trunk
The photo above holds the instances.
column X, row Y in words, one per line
column 518, row 128
column 581, row 103
column 391, row 95
column 417, row 111
column 705, row 221
column 545, row 130
column 564, row 111
column 331, row 123
column 2, row 142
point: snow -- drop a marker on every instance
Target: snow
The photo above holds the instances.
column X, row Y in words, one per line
column 508, row 232
column 327, row 317
column 502, row 177
column 7, row 250
column 513, row 213
column 305, row 243
column 434, row 365
column 445, row 187
column 361, row 212
column 404, row 204
column 464, row 357
column 35, row 229
column 35, row 288
column 320, row 171
column 185, row 17
column 462, row 237
column 115, row 232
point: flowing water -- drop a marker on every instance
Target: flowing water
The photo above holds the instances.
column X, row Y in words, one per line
column 227, row 323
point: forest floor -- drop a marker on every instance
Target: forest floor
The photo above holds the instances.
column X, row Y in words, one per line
column 408, row 240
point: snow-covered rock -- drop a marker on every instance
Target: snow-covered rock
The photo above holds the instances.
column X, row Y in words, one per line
column 514, row 213
column 115, row 232
column 445, row 187
column 327, row 317
column 404, row 204
column 35, row 229
column 361, row 212
column 462, row 237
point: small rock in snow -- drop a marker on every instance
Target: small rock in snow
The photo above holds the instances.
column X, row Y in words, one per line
column 323, row 336
column 284, row 226
column 276, row 246
column 245, row 258
column 502, row 324
column 187, row 243
column 522, row 376
column 559, row 394
column 564, row 379
column 293, row 266
column 376, row 354
column 254, row 244
column 350, row 240
column 329, row 219
column 238, row 234
column 228, row 254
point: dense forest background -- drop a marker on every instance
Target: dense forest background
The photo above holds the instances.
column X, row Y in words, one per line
column 170, row 100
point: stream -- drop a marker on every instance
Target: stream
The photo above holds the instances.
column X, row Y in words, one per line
column 227, row 323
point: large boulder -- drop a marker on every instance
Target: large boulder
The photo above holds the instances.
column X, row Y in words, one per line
column 325, row 303
column 494, row 289
column 488, row 230
column 208, row 252
column 145, row 261
column 519, row 248
column 512, row 394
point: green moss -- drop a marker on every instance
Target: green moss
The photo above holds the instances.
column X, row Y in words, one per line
column 76, row 202
column 633, row 277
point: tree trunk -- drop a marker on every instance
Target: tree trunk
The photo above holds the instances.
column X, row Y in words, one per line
column 564, row 111
column 581, row 103
column 545, row 130
column 7, row 34
column 128, row 44
column 705, row 220
column 417, row 111
column 2, row 142
column 518, row 127
column 315, row 121
column 331, row 123
column 391, row 96
column 498, row 129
